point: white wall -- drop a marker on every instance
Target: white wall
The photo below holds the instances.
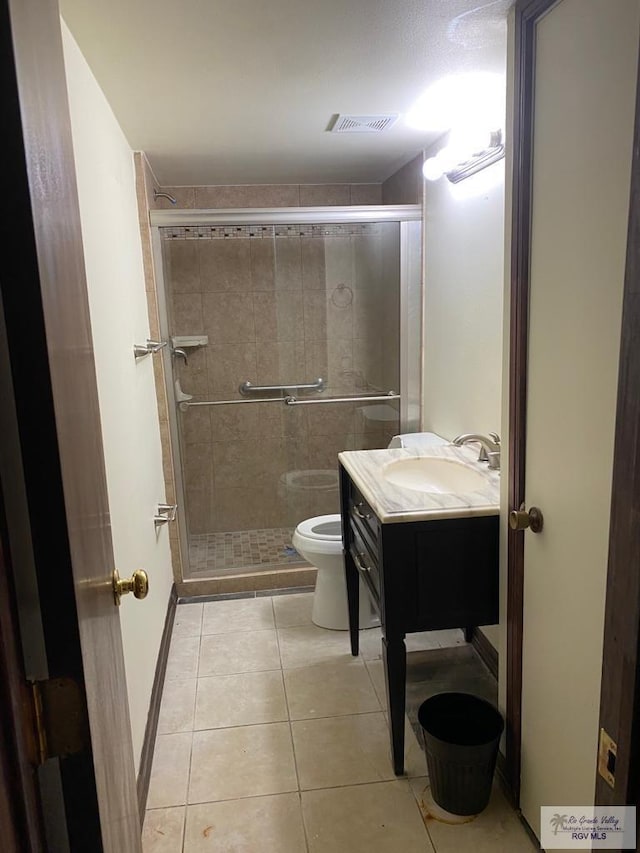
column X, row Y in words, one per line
column 126, row 390
column 464, row 262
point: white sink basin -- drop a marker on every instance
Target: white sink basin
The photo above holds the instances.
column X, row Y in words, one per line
column 431, row 474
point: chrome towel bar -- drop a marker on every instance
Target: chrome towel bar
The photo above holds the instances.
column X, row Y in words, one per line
column 292, row 401
column 390, row 395
column 247, row 388
column 188, row 404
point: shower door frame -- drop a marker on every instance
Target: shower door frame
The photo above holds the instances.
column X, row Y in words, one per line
column 409, row 218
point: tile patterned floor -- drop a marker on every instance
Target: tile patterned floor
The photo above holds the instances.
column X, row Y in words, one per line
column 273, row 739
column 240, row 549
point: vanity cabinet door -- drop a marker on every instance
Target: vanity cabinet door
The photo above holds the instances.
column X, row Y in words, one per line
column 457, row 573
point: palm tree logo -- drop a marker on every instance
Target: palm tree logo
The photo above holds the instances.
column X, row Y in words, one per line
column 557, row 822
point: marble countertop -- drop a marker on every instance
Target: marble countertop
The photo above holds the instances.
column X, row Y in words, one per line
column 393, row 503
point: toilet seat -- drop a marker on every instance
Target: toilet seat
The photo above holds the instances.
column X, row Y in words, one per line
column 322, row 528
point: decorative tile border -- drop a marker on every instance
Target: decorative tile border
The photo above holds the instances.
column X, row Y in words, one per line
column 248, row 232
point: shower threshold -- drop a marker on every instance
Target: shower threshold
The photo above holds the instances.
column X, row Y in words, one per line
column 233, row 552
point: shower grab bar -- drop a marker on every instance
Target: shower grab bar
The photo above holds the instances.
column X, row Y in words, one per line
column 292, row 401
column 247, row 388
column 390, row 395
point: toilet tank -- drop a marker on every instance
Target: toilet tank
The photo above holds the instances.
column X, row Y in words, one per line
column 417, row 439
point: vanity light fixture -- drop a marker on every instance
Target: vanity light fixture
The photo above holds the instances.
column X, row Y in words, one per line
column 457, row 166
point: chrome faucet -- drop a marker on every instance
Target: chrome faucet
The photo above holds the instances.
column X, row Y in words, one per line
column 489, row 447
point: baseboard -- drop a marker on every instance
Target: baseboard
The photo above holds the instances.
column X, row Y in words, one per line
column 486, row 650
column 503, row 779
column 151, row 728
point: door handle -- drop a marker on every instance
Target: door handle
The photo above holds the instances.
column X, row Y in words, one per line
column 520, row 519
column 138, row 584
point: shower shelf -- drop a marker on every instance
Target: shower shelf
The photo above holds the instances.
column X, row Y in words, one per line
column 182, row 341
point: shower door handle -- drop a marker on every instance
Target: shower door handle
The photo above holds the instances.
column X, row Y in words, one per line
column 176, row 351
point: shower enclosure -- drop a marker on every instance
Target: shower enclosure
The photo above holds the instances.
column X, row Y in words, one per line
column 293, row 335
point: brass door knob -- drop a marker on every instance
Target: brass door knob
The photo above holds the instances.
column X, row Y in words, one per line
column 520, row 519
column 138, row 584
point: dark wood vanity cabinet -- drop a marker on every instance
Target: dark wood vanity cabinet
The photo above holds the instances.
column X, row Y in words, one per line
column 421, row 576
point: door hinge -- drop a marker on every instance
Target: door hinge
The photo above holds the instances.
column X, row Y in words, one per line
column 60, row 720
column 607, row 752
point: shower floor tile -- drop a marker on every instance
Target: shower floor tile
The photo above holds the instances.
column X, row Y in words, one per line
column 242, row 549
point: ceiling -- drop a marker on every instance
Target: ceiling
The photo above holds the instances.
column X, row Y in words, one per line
column 243, row 91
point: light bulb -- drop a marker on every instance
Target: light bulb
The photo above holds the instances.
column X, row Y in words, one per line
column 476, row 98
column 432, row 169
column 469, row 140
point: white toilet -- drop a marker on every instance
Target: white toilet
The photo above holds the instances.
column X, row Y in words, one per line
column 319, row 541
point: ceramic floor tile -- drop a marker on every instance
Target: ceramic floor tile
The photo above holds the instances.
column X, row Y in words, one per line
column 182, row 661
column 293, row 611
column 371, row 641
column 342, row 750
column 188, row 621
column 378, row 818
column 170, row 771
column 305, row 646
column 162, row 831
column 253, row 825
column 245, row 651
column 496, row 830
column 415, row 761
column 375, row 668
column 240, row 700
column 249, row 761
column 434, row 640
column 176, row 708
column 241, row 614
column 371, row 644
column 330, row 689
column 431, row 640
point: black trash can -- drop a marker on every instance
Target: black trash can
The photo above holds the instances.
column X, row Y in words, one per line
column 461, row 733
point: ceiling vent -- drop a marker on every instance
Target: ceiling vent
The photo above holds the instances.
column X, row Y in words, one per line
column 363, row 124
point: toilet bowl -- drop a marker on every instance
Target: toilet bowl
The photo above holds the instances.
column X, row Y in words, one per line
column 319, row 541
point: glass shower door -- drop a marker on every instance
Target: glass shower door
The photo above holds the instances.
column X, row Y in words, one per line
column 279, row 306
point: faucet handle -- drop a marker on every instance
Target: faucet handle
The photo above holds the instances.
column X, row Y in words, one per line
column 495, row 437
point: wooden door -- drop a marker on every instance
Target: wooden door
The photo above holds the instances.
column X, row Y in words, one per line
column 580, row 138
column 56, row 406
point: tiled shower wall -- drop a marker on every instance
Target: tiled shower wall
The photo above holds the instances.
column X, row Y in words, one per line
column 280, row 307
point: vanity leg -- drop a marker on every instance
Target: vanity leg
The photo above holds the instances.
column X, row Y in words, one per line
column 395, row 671
column 468, row 634
column 353, row 602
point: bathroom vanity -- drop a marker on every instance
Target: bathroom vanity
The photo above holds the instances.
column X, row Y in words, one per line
column 421, row 529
